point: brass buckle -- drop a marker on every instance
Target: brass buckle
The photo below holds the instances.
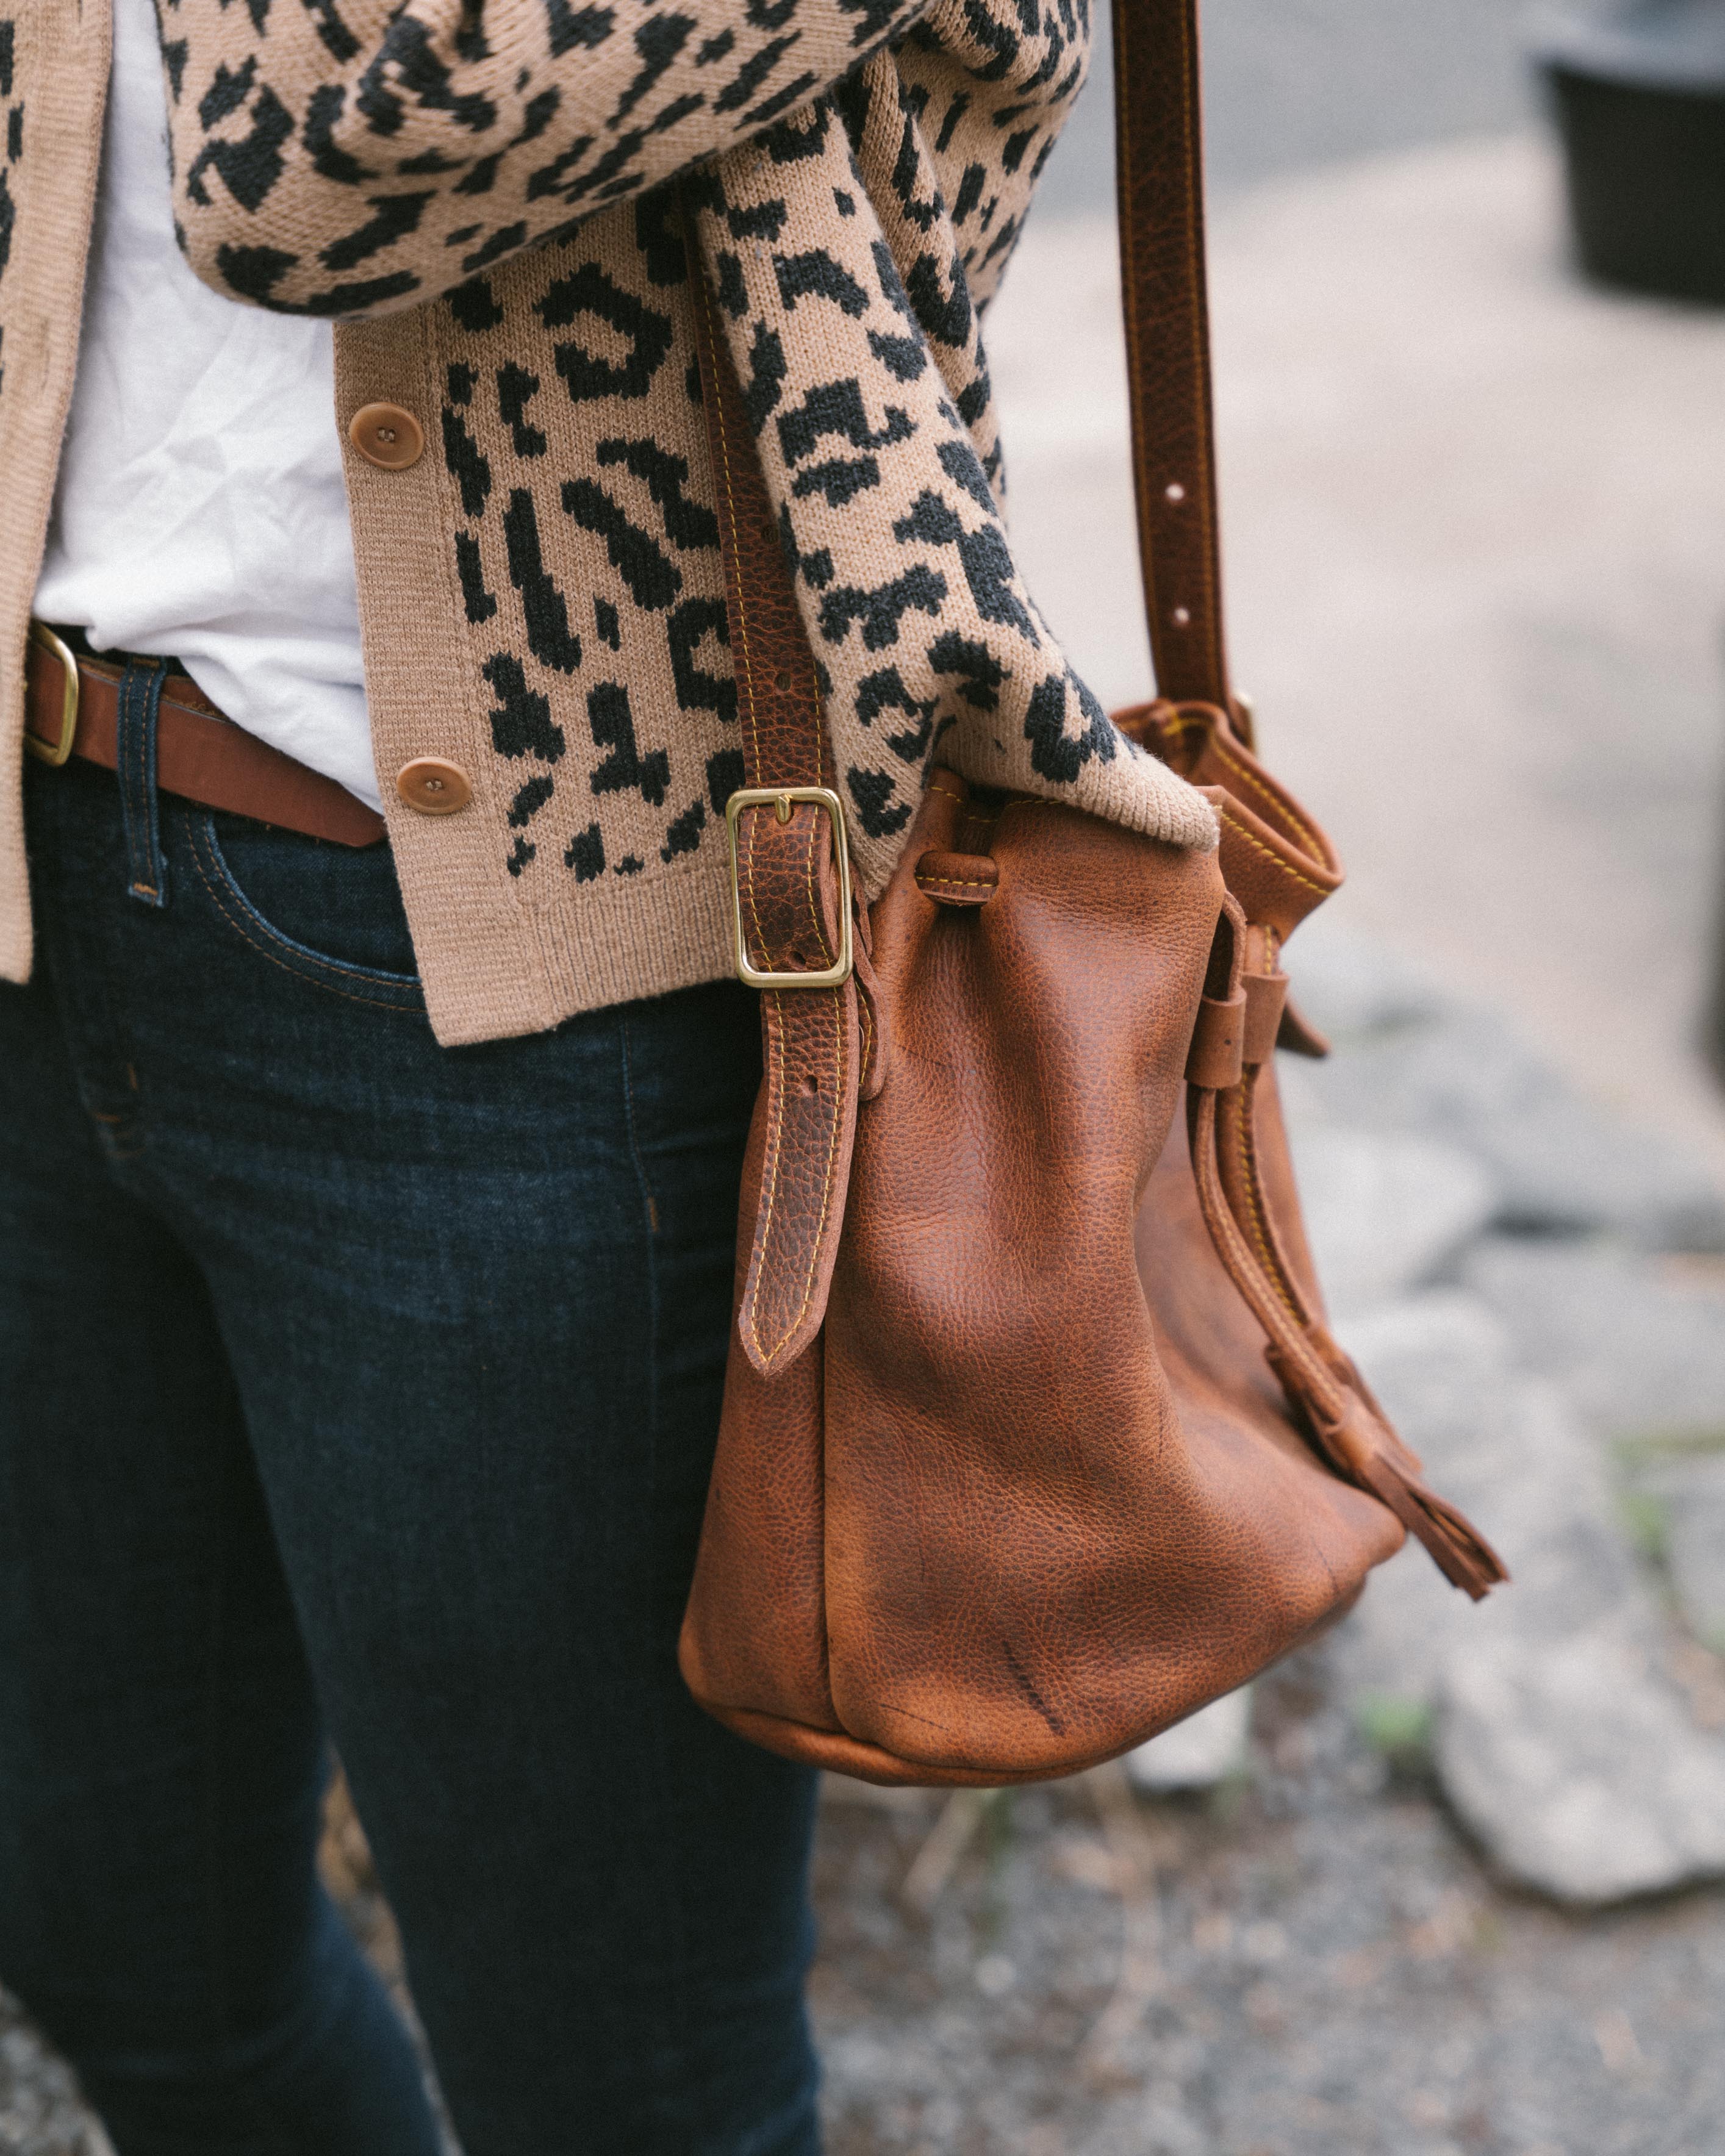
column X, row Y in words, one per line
column 780, row 798
column 56, row 752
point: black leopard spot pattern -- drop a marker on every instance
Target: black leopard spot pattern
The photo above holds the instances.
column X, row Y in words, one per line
column 485, row 199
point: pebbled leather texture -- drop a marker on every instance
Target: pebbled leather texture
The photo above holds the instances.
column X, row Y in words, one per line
column 788, row 895
column 1069, row 1449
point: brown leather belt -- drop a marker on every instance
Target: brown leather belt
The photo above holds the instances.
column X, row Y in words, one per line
column 72, row 708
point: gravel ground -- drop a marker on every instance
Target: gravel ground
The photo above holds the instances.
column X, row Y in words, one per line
column 39, row 2112
column 1310, row 1962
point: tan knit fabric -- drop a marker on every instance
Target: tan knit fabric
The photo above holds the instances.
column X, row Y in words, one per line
column 479, row 191
column 53, row 87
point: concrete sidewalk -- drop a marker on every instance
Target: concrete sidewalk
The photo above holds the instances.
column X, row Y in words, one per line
column 1475, row 521
column 1291, row 84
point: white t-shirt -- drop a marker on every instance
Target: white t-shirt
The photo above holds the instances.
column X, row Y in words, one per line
column 201, row 511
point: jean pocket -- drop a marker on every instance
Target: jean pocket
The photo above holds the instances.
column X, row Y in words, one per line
column 332, row 914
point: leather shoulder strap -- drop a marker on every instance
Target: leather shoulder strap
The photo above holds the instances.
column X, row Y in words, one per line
column 1159, row 165
column 787, row 900
column 1159, row 168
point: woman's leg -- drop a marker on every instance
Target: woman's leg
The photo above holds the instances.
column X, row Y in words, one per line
column 476, row 1303
column 483, row 1414
column 160, row 1760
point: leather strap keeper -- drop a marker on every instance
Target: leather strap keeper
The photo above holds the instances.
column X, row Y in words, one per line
column 1216, row 1059
column 200, row 755
column 1266, row 996
column 951, row 878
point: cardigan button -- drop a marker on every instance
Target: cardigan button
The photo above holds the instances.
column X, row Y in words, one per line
column 432, row 787
column 387, row 436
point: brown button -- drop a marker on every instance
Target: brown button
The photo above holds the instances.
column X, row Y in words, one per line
column 432, row 787
column 386, row 435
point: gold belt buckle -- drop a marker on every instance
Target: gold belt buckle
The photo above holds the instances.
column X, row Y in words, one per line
column 780, row 798
column 56, row 752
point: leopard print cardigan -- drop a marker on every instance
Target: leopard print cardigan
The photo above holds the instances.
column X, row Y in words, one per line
column 482, row 193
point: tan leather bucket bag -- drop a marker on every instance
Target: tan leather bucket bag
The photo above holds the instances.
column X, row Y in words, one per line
column 1035, row 1439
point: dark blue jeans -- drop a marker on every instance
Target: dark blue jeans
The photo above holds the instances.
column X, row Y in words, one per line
column 357, row 1390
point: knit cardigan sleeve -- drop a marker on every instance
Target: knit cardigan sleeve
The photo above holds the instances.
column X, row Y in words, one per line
column 352, row 157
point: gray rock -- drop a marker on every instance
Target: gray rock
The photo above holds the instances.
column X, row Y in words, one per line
column 1411, row 1058
column 1197, row 1753
column 1495, row 1438
column 1691, row 1494
column 1350, row 986
column 1385, row 1213
column 1578, row 1769
column 1557, row 1741
column 1697, row 1553
column 1442, row 1368
column 42, row 2112
column 1638, row 1348
column 1560, row 1164
column 1507, row 1450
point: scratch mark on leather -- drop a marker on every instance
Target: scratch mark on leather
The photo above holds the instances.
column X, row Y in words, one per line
column 909, row 1714
column 1030, row 1692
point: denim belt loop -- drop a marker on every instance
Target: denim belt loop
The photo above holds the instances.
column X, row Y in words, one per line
column 139, row 700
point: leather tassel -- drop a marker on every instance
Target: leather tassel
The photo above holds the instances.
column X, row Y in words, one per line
column 1360, row 1444
column 1458, row 1550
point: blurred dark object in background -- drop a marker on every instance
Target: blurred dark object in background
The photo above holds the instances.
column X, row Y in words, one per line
column 1639, row 96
